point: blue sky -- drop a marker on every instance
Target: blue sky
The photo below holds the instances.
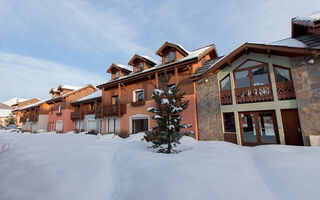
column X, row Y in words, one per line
column 44, row 43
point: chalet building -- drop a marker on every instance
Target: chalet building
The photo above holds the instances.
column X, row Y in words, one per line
column 5, row 112
column 16, row 109
column 87, row 115
column 60, row 108
column 264, row 93
column 34, row 117
column 126, row 97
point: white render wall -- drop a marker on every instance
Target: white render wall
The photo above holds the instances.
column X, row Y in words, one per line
column 43, row 123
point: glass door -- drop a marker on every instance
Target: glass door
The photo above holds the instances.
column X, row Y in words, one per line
column 258, row 128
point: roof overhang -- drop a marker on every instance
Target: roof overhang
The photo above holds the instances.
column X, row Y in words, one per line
column 138, row 57
column 168, row 44
column 115, row 66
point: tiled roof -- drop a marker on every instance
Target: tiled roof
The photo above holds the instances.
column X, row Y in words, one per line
column 207, row 65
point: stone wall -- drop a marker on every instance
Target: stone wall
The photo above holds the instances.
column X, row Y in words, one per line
column 208, row 106
column 306, row 75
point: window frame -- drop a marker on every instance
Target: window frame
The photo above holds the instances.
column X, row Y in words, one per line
column 168, row 55
column 228, row 75
column 140, row 67
column 135, row 96
column 224, row 122
column 116, row 75
column 275, row 75
column 249, row 69
column 114, row 97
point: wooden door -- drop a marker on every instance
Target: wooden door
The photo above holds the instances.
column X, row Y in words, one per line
column 291, row 127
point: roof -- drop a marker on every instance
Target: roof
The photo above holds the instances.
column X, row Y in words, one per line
column 309, row 20
column 93, row 96
column 119, row 66
column 33, row 105
column 4, row 106
column 69, row 87
column 179, row 47
column 305, row 41
column 257, row 48
column 207, row 65
column 13, row 101
column 67, row 94
column 195, row 54
column 25, row 101
column 142, row 57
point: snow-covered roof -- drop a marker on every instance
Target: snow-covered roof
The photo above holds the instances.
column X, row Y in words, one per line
column 33, row 105
column 5, row 112
column 289, row 42
column 13, row 101
column 123, row 67
column 4, row 106
column 151, row 59
column 69, row 87
column 94, row 95
column 191, row 55
column 308, row 20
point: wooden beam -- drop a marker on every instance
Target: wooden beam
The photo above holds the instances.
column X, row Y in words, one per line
column 176, row 75
column 122, row 84
column 157, row 80
column 151, row 79
column 269, row 54
column 247, row 52
column 119, row 97
column 189, row 69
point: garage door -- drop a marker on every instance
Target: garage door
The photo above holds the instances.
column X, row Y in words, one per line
column 91, row 128
column 59, row 126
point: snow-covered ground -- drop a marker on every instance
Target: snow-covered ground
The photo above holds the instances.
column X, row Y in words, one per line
column 82, row 167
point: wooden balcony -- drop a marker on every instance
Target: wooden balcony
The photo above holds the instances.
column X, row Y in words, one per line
column 34, row 117
column 286, row 91
column 254, row 94
column 114, row 110
column 99, row 112
column 75, row 116
column 226, row 97
column 138, row 103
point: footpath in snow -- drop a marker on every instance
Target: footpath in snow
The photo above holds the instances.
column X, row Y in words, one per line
column 78, row 166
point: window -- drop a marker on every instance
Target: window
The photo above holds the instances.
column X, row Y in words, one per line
column 171, row 56
column 229, row 125
column 140, row 67
column 138, row 95
column 113, row 125
column 252, row 73
column 139, row 125
column 60, row 109
column 282, row 74
column 225, row 83
column 116, row 75
column 115, row 100
column 91, row 106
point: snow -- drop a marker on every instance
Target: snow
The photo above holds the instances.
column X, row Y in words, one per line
column 94, row 95
column 164, row 101
column 78, row 166
column 158, row 91
column 290, row 42
column 69, row 87
column 307, row 20
column 15, row 100
column 5, row 112
column 124, row 67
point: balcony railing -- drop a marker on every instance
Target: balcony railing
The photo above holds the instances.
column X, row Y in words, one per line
column 114, row 110
column 75, row 115
column 34, row 117
column 286, row 91
column 226, row 97
column 254, row 94
column 99, row 111
column 138, row 103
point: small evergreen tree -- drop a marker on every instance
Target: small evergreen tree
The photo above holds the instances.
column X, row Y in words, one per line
column 169, row 105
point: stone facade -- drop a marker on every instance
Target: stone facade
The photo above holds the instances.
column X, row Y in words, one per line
column 306, row 76
column 209, row 111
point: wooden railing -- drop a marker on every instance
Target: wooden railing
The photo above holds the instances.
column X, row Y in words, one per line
column 33, row 117
column 138, row 103
column 99, row 111
column 254, row 94
column 113, row 110
column 75, row 115
column 226, row 97
column 286, row 91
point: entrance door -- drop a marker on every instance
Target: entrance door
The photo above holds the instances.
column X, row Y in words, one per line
column 258, row 128
column 291, row 127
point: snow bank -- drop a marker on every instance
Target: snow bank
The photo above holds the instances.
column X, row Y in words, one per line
column 79, row 166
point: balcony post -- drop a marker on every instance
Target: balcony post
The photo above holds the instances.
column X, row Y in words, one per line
column 273, row 82
column 176, row 75
column 119, row 97
column 157, row 79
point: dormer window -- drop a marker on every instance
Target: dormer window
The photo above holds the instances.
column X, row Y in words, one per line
column 139, row 67
column 116, row 75
column 171, row 56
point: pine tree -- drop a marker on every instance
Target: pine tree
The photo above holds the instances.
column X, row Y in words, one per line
column 169, row 105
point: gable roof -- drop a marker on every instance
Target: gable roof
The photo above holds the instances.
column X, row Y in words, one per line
column 119, row 66
column 179, row 47
column 58, row 98
column 4, row 106
column 90, row 97
column 30, row 106
column 144, row 58
column 256, row 48
column 196, row 54
column 305, row 41
column 68, row 87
